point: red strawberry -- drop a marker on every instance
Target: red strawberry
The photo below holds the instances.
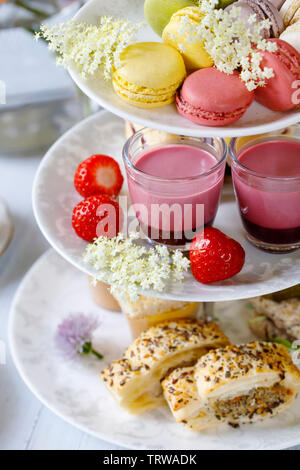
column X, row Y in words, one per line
column 214, row 256
column 97, row 216
column 98, row 174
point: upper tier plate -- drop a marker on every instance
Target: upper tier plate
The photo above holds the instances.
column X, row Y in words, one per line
column 54, row 197
column 256, row 120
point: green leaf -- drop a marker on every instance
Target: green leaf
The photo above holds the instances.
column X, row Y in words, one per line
column 250, row 306
column 285, row 343
column 257, row 319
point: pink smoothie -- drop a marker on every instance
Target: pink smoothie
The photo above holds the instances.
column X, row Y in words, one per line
column 166, row 163
column 271, row 204
column 175, row 161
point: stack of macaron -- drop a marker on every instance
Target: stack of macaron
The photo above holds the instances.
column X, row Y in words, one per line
column 154, row 74
column 212, row 98
column 290, row 12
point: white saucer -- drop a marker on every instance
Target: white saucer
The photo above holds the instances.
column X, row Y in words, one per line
column 54, row 197
column 256, row 120
column 6, row 227
column 52, row 290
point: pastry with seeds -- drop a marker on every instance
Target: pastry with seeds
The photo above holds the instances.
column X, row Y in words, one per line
column 277, row 315
column 233, row 385
column 135, row 380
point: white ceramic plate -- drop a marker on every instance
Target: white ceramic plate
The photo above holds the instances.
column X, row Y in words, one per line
column 256, row 120
column 6, row 227
column 54, row 197
column 72, row 389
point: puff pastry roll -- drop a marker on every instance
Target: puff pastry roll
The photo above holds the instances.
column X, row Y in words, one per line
column 135, row 380
column 233, row 385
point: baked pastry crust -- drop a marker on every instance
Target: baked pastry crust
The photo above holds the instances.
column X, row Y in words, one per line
column 149, row 311
column 233, row 385
column 151, row 306
column 283, row 318
column 135, row 380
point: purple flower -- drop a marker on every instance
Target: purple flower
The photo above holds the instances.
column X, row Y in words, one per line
column 74, row 335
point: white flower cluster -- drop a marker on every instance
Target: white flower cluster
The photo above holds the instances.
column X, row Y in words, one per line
column 89, row 46
column 128, row 266
column 208, row 5
column 232, row 42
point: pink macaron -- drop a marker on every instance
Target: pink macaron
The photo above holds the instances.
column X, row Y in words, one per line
column 282, row 92
column 213, row 98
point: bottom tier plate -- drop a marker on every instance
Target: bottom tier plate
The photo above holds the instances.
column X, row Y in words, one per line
column 53, row 289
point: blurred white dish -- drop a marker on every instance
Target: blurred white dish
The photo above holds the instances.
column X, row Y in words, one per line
column 6, row 227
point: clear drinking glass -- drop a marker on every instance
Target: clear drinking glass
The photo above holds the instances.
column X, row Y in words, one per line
column 171, row 210
column 269, row 199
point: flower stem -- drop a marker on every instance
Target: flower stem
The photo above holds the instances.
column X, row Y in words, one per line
column 98, row 355
column 87, row 349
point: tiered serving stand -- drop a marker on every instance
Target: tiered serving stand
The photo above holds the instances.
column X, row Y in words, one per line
column 53, row 200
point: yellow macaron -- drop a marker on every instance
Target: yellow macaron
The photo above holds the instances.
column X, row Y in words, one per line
column 149, row 74
column 194, row 55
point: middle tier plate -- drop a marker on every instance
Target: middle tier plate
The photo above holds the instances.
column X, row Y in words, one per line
column 54, row 197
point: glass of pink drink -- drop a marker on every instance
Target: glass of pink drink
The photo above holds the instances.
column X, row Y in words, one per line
column 266, row 178
column 175, row 185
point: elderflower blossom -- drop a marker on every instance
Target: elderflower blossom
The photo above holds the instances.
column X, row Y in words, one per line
column 128, row 266
column 232, row 43
column 89, row 46
column 208, row 5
